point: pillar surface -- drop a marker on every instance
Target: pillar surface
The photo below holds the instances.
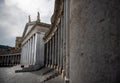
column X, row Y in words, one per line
column 94, row 41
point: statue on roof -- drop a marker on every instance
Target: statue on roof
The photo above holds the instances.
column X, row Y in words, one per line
column 38, row 17
column 29, row 18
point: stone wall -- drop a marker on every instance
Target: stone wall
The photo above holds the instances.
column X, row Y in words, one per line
column 94, row 41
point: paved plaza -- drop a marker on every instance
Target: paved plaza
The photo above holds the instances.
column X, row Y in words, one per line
column 8, row 75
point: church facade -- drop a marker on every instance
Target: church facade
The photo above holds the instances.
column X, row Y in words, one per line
column 33, row 44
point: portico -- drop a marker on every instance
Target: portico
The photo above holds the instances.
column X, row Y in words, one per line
column 33, row 44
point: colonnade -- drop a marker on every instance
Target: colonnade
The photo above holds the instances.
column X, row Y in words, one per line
column 32, row 50
column 29, row 51
column 54, row 48
column 10, row 59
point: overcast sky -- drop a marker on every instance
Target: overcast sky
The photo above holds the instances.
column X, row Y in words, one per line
column 14, row 15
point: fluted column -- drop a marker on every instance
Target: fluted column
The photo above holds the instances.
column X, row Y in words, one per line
column 50, row 53
column 35, row 44
column 57, row 48
column 58, row 61
column 60, row 43
column 26, row 58
column 25, row 53
column 32, row 50
column 22, row 54
column 29, row 52
column 53, row 50
column 46, row 54
column 62, row 39
column 7, row 60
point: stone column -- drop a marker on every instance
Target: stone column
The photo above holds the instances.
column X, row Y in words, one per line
column 62, row 39
column 35, row 44
column 27, row 53
column 60, row 48
column 51, row 50
column 66, row 40
column 32, row 50
column 46, row 54
column 4, row 60
column 94, row 41
column 55, row 49
column 12, row 60
column 25, row 56
column 51, row 42
column 22, row 55
column 7, row 60
column 16, row 59
column 50, row 53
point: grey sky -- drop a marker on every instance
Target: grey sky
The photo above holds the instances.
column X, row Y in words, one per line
column 14, row 15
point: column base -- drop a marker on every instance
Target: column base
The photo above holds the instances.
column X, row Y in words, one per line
column 51, row 66
column 63, row 73
column 60, row 70
column 48, row 65
column 66, row 80
column 57, row 68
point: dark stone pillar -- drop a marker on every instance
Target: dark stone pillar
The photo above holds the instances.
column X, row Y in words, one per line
column 55, row 49
column 49, row 53
column 94, row 41
column 46, row 52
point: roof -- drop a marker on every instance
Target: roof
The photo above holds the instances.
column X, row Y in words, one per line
column 31, row 25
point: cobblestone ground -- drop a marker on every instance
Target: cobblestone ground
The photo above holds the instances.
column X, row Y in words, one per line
column 8, row 75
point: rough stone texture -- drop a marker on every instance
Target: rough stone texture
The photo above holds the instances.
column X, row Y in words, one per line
column 95, row 41
column 8, row 75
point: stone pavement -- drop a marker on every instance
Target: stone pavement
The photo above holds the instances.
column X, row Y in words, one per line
column 8, row 75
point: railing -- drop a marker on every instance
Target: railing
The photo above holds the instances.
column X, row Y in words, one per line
column 10, row 59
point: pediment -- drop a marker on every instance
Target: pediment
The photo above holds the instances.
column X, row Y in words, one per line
column 28, row 29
